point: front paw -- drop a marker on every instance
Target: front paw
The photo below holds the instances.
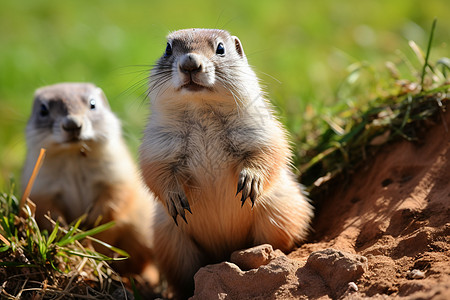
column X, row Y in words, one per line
column 250, row 184
column 177, row 203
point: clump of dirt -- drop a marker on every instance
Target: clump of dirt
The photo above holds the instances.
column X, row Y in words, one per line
column 392, row 215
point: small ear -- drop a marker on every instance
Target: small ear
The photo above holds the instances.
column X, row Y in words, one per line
column 238, row 46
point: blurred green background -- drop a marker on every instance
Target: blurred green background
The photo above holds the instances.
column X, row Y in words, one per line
column 301, row 50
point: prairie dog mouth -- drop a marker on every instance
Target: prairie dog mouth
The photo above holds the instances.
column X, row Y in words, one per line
column 193, row 86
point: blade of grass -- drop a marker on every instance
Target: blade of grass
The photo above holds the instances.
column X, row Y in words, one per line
column 52, row 236
column 317, row 158
column 95, row 255
column 106, row 245
column 355, row 130
column 442, row 89
column 71, row 231
column 82, row 235
column 433, row 26
column 445, row 62
column 6, row 226
column 117, row 250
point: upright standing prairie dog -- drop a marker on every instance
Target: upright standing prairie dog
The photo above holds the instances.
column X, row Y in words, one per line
column 216, row 156
column 88, row 169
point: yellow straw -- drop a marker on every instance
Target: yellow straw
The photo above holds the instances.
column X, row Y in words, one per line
column 4, row 240
column 36, row 169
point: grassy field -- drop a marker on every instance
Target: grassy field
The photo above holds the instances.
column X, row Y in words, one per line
column 315, row 58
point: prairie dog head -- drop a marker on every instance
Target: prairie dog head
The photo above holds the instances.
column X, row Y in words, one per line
column 205, row 64
column 70, row 115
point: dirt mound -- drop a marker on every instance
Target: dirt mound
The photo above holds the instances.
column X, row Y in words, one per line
column 396, row 212
column 393, row 214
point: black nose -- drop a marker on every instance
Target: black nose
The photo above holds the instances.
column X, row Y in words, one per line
column 72, row 124
column 190, row 63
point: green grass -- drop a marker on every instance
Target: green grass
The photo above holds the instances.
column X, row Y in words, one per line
column 316, row 59
column 401, row 111
column 40, row 263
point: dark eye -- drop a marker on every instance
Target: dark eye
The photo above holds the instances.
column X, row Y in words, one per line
column 44, row 110
column 220, row 49
column 92, row 104
column 168, row 50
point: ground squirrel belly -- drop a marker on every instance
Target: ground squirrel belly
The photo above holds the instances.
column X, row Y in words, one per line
column 88, row 169
column 216, row 156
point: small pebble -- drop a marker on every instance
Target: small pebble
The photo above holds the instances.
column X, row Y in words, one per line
column 352, row 286
column 415, row 274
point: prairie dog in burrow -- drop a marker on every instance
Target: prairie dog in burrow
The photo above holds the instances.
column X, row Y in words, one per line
column 88, row 169
column 213, row 147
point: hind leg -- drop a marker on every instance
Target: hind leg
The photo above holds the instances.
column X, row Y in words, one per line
column 283, row 217
column 176, row 255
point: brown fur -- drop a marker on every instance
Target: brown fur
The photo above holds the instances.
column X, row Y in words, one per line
column 211, row 130
column 88, row 170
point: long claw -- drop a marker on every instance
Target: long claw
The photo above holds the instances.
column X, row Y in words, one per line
column 255, row 191
column 243, row 198
column 188, row 208
column 253, row 198
column 183, row 215
column 184, row 203
column 182, row 200
column 172, row 210
column 241, row 184
column 247, row 189
column 175, row 219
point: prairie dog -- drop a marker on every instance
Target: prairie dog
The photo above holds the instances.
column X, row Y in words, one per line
column 88, row 169
column 216, row 157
